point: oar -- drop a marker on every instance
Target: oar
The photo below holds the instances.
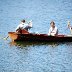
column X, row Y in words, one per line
column 6, row 38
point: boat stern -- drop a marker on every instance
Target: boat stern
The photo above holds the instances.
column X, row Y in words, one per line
column 13, row 35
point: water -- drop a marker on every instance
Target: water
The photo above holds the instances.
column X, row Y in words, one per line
column 35, row 56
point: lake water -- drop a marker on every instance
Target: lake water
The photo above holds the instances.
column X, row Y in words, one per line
column 35, row 56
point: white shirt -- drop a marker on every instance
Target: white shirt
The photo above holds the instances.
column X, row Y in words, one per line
column 30, row 24
column 22, row 26
column 70, row 28
column 52, row 31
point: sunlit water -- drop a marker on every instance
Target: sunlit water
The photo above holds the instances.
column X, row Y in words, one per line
column 35, row 56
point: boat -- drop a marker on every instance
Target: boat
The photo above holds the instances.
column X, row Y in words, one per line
column 24, row 35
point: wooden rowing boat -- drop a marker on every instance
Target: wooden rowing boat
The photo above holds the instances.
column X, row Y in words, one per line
column 26, row 36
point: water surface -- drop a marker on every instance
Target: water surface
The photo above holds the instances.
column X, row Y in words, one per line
column 35, row 56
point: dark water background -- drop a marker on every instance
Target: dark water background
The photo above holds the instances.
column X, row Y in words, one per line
column 35, row 56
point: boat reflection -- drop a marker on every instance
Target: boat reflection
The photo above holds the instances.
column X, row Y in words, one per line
column 27, row 44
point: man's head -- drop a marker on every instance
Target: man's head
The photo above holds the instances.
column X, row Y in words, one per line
column 52, row 24
column 23, row 21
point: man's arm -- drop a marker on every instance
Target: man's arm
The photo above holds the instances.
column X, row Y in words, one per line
column 30, row 24
column 17, row 27
column 49, row 33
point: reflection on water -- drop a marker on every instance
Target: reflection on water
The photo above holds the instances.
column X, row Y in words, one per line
column 43, row 56
column 28, row 43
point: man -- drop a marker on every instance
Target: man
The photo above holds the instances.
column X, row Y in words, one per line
column 24, row 25
column 70, row 27
column 53, row 31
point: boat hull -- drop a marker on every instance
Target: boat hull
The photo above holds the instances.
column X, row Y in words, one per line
column 39, row 37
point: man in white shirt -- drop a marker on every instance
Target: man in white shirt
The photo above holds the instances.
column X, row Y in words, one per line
column 70, row 27
column 53, row 31
column 24, row 25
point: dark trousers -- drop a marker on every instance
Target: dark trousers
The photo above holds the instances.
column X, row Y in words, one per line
column 27, row 28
